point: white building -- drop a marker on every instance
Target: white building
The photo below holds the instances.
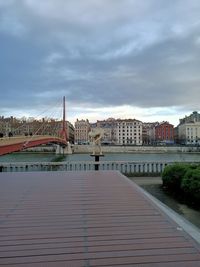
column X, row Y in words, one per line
column 189, row 133
column 129, row 132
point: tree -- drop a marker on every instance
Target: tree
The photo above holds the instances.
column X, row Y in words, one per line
column 191, row 183
column 10, row 134
column 173, row 175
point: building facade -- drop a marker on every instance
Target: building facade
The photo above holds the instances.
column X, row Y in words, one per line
column 82, row 128
column 69, row 129
column 189, row 133
column 193, row 117
column 129, row 132
column 109, row 127
column 164, row 133
column 31, row 126
column 7, row 125
column 148, row 133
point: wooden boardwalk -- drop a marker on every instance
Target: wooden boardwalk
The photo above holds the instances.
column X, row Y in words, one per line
column 86, row 219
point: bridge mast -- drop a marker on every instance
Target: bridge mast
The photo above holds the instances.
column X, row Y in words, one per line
column 66, row 149
column 64, row 129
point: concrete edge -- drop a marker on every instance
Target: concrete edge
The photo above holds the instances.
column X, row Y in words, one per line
column 184, row 224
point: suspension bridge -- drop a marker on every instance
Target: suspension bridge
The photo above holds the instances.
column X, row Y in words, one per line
column 19, row 143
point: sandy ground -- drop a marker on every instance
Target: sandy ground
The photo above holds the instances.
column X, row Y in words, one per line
column 146, row 180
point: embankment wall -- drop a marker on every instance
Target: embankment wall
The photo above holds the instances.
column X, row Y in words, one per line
column 136, row 149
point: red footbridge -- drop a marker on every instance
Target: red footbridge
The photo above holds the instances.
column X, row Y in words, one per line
column 19, row 143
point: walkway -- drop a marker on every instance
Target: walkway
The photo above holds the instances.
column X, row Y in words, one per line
column 86, row 219
column 18, row 143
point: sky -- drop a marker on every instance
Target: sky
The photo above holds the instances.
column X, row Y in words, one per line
column 110, row 58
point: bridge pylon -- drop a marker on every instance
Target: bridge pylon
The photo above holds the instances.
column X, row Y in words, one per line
column 64, row 135
column 63, row 132
column 61, row 150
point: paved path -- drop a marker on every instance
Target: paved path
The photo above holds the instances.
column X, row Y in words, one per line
column 86, row 219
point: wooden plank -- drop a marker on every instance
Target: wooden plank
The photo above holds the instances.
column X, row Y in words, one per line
column 86, row 219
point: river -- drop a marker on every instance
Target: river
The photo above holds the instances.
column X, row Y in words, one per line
column 48, row 157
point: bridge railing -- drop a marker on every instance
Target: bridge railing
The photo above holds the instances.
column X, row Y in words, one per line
column 122, row 166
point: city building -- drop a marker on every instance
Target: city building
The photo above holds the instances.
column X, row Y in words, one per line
column 189, row 133
column 109, row 127
column 176, row 137
column 69, row 129
column 31, row 126
column 164, row 133
column 7, row 125
column 194, row 117
column 148, row 132
column 82, row 128
column 129, row 132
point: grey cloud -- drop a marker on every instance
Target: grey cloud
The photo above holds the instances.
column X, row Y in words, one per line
column 100, row 53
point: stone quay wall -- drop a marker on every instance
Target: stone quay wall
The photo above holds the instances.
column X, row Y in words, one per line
column 136, row 149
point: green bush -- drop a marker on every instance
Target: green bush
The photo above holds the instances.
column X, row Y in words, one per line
column 191, row 183
column 184, row 179
column 173, row 175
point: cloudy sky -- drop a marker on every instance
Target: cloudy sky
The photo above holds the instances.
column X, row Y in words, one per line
column 110, row 58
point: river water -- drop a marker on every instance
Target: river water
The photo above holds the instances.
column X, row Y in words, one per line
column 48, row 157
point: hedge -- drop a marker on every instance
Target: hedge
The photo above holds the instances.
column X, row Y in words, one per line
column 173, row 174
column 184, row 179
column 191, row 183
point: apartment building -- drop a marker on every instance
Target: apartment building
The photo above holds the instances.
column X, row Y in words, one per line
column 82, row 128
column 129, row 132
column 193, row 117
column 69, row 128
column 148, row 132
column 109, row 127
column 7, row 125
column 188, row 130
column 31, row 126
column 164, row 133
column 189, row 133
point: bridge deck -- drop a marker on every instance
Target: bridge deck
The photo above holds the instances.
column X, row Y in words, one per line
column 21, row 139
column 86, row 219
column 18, row 143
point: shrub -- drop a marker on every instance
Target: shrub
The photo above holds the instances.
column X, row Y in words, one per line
column 173, row 174
column 191, row 183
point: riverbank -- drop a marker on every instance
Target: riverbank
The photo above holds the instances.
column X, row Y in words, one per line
column 137, row 149
column 153, row 185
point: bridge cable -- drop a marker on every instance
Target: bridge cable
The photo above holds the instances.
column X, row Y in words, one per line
column 44, row 125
